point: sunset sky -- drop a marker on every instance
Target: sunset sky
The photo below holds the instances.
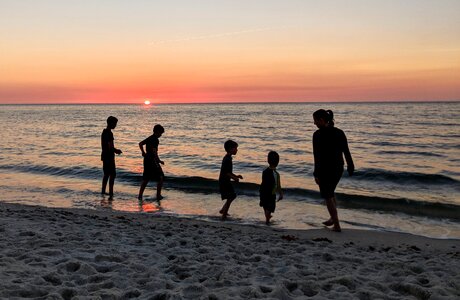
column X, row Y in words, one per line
column 113, row 51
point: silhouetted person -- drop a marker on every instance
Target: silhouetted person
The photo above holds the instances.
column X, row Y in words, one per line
column 226, row 174
column 108, row 156
column 152, row 168
column 329, row 146
column 271, row 184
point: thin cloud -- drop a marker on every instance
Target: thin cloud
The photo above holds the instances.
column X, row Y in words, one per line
column 217, row 35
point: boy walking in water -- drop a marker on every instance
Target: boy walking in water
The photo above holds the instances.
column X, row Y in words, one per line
column 226, row 174
column 108, row 156
column 271, row 184
column 152, row 168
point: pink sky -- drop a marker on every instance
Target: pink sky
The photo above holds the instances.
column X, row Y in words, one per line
column 58, row 52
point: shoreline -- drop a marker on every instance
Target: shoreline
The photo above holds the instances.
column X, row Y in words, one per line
column 60, row 253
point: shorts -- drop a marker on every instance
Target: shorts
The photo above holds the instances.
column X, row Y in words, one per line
column 152, row 171
column 268, row 202
column 226, row 191
column 328, row 182
column 108, row 166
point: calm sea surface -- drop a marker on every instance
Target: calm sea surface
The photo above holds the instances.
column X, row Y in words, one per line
column 407, row 157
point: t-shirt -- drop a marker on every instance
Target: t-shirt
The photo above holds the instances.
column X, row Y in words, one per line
column 106, row 138
column 227, row 167
column 270, row 183
column 329, row 144
column 151, row 143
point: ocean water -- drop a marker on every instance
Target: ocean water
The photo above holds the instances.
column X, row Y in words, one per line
column 407, row 158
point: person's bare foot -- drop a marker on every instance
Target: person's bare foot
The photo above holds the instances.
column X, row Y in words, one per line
column 328, row 222
column 224, row 217
column 336, row 229
column 159, row 197
column 222, row 213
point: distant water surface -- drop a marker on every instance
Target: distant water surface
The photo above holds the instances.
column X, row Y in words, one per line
column 407, row 157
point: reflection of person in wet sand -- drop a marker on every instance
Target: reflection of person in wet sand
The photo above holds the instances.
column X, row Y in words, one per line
column 152, row 168
column 106, row 203
column 108, row 156
column 329, row 146
column 150, row 206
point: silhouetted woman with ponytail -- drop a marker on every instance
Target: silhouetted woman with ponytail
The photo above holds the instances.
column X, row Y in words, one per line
column 329, row 147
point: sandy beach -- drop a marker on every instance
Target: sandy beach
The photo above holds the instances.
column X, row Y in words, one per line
column 49, row 253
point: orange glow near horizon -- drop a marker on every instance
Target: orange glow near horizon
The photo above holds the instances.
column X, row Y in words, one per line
column 366, row 52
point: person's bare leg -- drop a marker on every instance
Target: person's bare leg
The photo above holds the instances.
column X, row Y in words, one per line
column 331, row 207
column 159, row 187
column 104, row 184
column 142, row 188
column 221, row 211
column 329, row 222
column 225, row 208
column 268, row 216
column 111, row 183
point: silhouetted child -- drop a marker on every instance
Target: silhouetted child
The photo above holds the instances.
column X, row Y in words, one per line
column 226, row 174
column 108, row 156
column 152, row 168
column 271, row 184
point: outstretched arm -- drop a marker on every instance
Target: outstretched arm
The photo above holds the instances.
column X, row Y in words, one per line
column 111, row 145
column 235, row 177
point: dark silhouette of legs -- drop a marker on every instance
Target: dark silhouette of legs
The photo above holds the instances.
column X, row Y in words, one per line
column 225, row 208
column 268, row 216
column 111, row 182
column 104, row 183
column 332, row 209
column 159, row 187
column 110, row 178
column 141, row 190
column 144, row 184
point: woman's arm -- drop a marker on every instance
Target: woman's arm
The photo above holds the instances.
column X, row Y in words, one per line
column 347, row 154
column 316, row 155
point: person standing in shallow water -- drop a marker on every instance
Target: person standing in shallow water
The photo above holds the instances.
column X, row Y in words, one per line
column 329, row 146
column 226, row 175
column 152, row 167
column 108, row 156
column 271, row 184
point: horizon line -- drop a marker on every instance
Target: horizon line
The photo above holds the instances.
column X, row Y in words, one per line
column 239, row 102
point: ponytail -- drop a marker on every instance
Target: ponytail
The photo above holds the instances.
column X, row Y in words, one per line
column 330, row 119
column 326, row 115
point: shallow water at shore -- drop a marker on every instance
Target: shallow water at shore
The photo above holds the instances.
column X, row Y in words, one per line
column 290, row 214
column 406, row 154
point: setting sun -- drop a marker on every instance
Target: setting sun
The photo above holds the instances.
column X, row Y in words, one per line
column 146, row 102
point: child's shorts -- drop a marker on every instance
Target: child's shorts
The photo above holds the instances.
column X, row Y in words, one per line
column 108, row 166
column 152, row 171
column 268, row 202
column 226, row 191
